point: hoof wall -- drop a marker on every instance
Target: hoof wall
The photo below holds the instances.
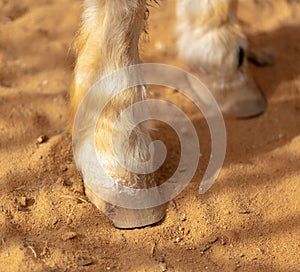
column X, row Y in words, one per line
column 246, row 102
column 242, row 99
column 127, row 218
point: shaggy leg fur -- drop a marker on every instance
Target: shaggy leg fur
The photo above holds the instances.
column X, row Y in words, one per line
column 108, row 41
column 213, row 45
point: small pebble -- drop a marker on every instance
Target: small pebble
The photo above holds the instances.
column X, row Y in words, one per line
column 84, row 261
column 60, row 180
column 42, row 139
column 223, row 242
column 64, row 168
column 204, row 248
column 163, row 266
column 22, row 201
column 178, row 239
column 68, row 236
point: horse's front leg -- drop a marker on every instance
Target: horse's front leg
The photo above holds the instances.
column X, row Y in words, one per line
column 213, row 45
column 108, row 41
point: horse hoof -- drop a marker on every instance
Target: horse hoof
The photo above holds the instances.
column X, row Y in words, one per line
column 244, row 101
column 127, row 218
column 238, row 96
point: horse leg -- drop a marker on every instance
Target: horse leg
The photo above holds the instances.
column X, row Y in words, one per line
column 213, row 46
column 108, row 40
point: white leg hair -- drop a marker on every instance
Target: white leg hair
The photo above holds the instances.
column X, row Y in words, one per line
column 210, row 36
column 213, row 45
column 108, row 40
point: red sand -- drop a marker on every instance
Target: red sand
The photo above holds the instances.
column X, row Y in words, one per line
column 248, row 221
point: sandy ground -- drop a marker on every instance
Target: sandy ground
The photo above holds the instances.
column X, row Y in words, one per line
column 249, row 220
